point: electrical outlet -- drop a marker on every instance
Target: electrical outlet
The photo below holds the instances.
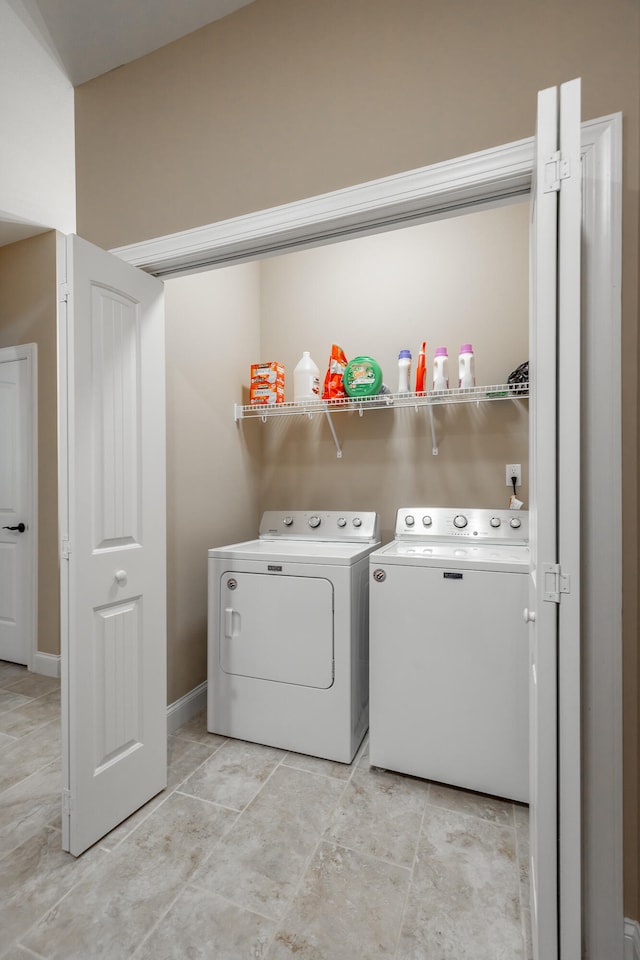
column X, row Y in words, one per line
column 513, row 470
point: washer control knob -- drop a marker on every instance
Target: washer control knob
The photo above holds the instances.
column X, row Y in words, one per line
column 409, row 520
column 515, row 522
column 427, row 521
column 357, row 522
column 495, row 521
column 460, row 521
column 342, row 522
column 288, row 521
column 314, row 522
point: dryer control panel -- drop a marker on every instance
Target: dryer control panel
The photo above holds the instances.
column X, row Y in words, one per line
column 320, row 525
column 462, row 523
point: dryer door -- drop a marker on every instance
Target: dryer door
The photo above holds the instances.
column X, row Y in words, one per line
column 277, row 628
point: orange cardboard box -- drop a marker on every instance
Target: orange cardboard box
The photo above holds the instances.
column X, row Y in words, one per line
column 267, row 383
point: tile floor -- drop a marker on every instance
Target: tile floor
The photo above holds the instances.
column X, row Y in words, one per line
column 253, row 852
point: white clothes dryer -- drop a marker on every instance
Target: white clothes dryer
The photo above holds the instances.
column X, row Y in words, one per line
column 288, row 642
column 449, row 649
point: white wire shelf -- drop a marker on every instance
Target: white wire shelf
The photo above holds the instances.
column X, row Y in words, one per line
column 496, row 391
column 395, row 401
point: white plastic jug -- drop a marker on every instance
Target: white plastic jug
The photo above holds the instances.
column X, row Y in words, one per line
column 306, row 379
column 466, row 367
column 404, row 371
column 441, row 369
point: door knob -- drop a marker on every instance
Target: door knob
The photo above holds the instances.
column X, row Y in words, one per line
column 528, row 616
column 20, row 527
column 121, row 576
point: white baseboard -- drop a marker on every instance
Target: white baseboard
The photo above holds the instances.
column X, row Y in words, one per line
column 631, row 939
column 47, row 664
column 182, row 710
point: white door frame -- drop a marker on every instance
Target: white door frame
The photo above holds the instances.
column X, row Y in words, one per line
column 436, row 192
column 29, row 352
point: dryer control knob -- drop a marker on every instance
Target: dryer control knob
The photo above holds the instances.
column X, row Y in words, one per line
column 460, row 521
column 409, row 520
column 495, row 521
column 288, row 521
column 357, row 522
column 342, row 522
column 314, row 522
column 427, row 521
column 515, row 522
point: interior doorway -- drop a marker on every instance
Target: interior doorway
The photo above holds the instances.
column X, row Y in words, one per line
column 18, row 504
column 487, row 179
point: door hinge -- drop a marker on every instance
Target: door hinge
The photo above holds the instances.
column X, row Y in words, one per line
column 555, row 582
column 63, row 293
column 67, row 801
column 556, row 169
column 65, row 549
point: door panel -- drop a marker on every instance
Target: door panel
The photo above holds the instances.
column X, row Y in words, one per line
column 15, row 508
column 113, row 517
column 543, row 539
column 554, row 465
column 569, row 523
column 277, row 628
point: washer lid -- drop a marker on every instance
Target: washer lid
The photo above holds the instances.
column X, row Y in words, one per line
column 295, row 551
column 454, row 556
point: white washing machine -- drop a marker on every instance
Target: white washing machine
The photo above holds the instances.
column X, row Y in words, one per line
column 449, row 649
column 288, row 639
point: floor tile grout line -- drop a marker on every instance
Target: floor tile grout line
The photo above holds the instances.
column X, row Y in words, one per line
column 307, row 864
column 28, row 951
column 169, row 791
column 161, row 919
column 413, row 867
column 472, row 816
column 35, row 773
column 287, row 907
column 54, row 906
column 212, row 803
column 230, row 900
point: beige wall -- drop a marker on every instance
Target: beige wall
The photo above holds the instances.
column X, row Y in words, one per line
column 454, row 281
column 288, row 99
column 212, row 323
column 28, row 315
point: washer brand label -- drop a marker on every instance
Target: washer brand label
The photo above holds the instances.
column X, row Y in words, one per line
column 448, row 575
column 275, row 567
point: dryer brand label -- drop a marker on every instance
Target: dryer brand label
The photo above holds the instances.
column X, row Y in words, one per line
column 448, row 575
column 275, row 567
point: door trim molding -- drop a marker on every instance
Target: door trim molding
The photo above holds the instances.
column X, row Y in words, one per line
column 29, row 352
column 501, row 175
column 429, row 193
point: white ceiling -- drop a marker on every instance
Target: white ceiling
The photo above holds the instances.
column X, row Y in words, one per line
column 90, row 37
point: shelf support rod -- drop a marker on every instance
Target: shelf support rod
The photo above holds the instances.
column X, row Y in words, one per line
column 333, row 433
column 434, row 445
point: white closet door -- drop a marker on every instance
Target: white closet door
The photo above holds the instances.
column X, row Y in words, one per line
column 113, row 521
column 554, row 285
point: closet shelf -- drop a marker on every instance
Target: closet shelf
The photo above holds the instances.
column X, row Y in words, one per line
column 385, row 401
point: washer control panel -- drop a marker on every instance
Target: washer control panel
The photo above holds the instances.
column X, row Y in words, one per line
column 462, row 523
column 332, row 525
